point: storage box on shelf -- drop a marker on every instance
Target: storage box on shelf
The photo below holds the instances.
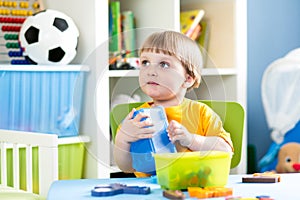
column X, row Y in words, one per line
column 44, row 99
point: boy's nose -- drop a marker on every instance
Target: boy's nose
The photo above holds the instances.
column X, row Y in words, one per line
column 152, row 74
column 152, row 71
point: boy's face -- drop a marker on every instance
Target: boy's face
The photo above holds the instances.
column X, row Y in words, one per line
column 162, row 77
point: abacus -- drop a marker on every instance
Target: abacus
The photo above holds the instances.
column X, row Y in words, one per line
column 12, row 16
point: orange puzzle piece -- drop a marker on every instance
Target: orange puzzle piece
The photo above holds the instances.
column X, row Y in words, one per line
column 209, row 192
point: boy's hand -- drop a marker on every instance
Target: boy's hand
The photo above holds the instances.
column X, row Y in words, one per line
column 133, row 129
column 177, row 132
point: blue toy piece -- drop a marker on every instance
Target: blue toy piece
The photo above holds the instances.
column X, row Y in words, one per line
column 116, row 188
column 141, row 150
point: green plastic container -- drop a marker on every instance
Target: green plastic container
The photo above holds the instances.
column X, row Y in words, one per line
column 176, row 171
column 70, row 164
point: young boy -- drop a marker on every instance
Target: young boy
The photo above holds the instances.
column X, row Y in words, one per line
column 170, row 66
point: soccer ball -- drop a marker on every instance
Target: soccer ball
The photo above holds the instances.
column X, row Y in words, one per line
column 49, row 37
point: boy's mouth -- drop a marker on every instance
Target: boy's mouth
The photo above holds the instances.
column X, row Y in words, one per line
column 152, row 83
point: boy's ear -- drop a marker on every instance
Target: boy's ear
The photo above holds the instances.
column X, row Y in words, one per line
column 189, row 81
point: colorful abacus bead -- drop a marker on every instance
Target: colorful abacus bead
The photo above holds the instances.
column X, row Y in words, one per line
column 19, row 62
column 24, row 4
column 11, row 36
column 4, row 12
column 12, row 20
column 12, row 45
column 35, row 5
column 15, row 53
column 11, row 28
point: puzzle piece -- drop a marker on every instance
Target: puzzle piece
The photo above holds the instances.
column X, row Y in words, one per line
column 249, row 198
column 266, row 177
column 264, row 197
column 116, row 188
column 209, row 192
column 173, row 194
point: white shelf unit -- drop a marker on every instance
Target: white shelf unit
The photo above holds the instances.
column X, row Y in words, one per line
column 222, row 79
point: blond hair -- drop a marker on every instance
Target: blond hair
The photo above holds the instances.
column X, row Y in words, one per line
column 182, row 47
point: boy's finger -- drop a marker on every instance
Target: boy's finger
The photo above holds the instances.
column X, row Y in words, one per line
column 149, row 130
column 143, row 136
column 141, row 117
column 130, row 115
column 146, row 123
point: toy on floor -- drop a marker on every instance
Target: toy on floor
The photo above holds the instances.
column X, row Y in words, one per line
column 49, row 37
column 116, row 188
column 266, row 177
column 289, row 158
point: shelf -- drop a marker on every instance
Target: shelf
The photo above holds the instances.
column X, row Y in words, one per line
column 44, row 67
column 205, row 72
column 124, row 73
column 218, row 71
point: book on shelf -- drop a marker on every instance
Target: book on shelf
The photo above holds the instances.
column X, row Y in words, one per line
column 189, row 21
column 122, row 40
column 203, row 39
column 128, row 33
column 194, row 25
column 115, row 43
column 196, row 32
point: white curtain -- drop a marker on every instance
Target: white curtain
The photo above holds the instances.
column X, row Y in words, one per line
column 281, row 94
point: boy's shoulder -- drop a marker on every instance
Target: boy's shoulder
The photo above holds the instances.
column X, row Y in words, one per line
column 191, row 102
column 197, row 105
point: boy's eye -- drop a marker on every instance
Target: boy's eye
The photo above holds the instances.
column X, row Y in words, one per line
column 164, row 65
column 145, row 63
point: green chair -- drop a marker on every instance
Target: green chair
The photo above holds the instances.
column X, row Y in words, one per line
column 231, row 113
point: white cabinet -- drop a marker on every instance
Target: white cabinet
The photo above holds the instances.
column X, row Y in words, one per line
column 224, row 77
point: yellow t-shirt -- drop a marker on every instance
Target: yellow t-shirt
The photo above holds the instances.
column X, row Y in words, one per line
column 197, row 118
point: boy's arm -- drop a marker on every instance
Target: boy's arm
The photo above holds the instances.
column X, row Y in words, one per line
column 215, row 137
column 122, row 153
column 207, row 143
column 196, row 142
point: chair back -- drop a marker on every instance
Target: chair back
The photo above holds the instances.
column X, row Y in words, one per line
column 231, row 114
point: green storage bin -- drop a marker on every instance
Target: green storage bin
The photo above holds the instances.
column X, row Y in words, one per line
column 177, row 171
